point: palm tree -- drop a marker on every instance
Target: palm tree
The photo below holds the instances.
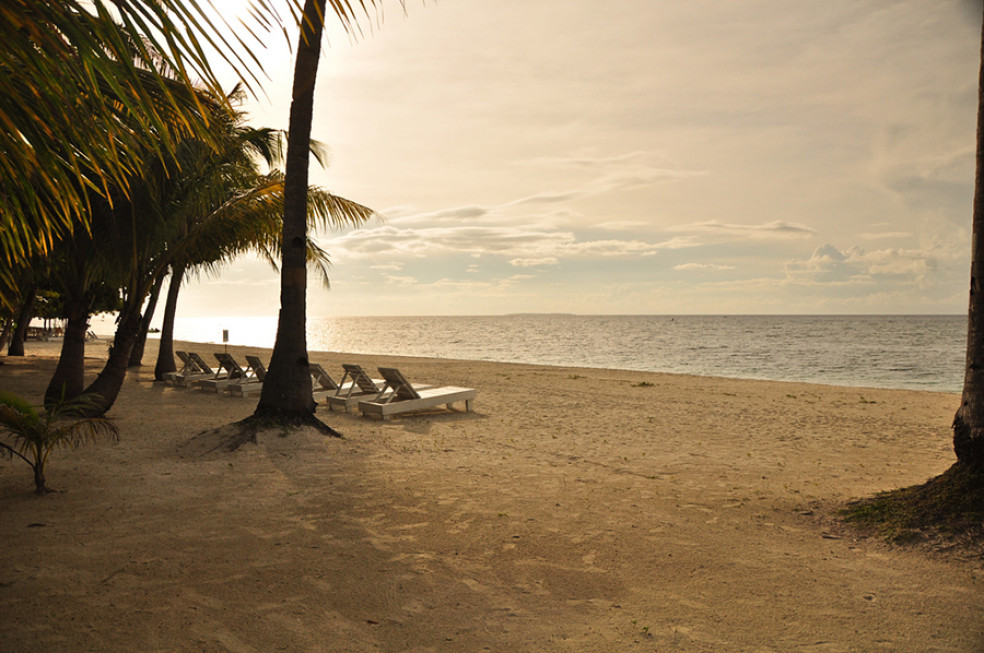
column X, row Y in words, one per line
column 97, row 74
column 286, row 395
column 257, row 228
column 968, row 423
column 36, row 434
column 953, row 502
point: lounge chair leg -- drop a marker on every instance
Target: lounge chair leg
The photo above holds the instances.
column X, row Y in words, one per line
column 468, row 405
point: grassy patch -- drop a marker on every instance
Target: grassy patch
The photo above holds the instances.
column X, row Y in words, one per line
column 946, row 511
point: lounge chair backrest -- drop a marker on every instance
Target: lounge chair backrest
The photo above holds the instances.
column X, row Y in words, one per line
column 187, row 365
column 200, row 363
column 257, row 366
column 229, row 364
column 360, row 379
column 324, row 380
column 399, row 384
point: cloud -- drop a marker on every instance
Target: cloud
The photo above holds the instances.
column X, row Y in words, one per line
column 774, row 229
column 531, row 262
column 702, row 266
column 621, row 225
column 388, row 267
column 401, row 281
column 885, row 235
column 829, row 265
column 519, row 243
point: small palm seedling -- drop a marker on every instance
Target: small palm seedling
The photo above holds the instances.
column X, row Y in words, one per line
column 33, row 434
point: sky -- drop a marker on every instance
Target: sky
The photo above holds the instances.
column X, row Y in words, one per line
column 638, row 157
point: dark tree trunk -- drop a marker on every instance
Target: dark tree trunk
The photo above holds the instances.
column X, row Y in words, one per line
column 8, row 327
column 23, row 320
column 968, row 424
column 286, row 392
column 136, row 355
column 110, row 380
column 165, row 352
column 69, row 378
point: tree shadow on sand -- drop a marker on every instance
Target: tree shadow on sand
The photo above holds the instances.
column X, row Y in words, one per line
column 946, row 513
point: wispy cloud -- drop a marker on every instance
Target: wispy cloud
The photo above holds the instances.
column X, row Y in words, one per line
column 702, row 266
column 512, row 243
column 533, row 262
column 773, row 229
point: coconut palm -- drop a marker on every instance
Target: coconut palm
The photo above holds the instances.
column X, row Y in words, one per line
column 968, row 423
column 76, row 72
column 34, row 433
column 253, row 225
column 286, row 395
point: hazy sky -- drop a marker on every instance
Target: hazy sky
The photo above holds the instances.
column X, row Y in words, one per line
column 728, row 156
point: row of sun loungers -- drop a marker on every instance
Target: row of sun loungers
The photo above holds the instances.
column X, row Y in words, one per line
column 377, row 398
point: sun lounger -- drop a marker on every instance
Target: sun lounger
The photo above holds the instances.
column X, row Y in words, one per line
column 195, row 369
column 187, row 365
column 359, row 387
column 229, row 372
column 321, row 381
column 402, row 397
column 251, row 382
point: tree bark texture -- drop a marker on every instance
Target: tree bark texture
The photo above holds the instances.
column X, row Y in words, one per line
column 165, row 352
column 286, row 391
column 968, row 424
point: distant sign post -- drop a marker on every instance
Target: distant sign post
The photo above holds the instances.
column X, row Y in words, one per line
column 225, row 340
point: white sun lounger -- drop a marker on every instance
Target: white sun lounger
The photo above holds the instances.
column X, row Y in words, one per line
column 195, row 369
column 187, row 366
column 252, row 382
column 229, row 372
column 404, row 398
column 359, row 387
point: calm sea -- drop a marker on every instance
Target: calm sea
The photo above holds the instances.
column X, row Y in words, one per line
column 912, row 352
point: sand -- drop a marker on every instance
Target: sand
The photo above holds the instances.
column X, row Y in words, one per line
column 574, row 510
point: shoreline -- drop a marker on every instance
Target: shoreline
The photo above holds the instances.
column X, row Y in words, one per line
column 577, row 509
column 52, row 348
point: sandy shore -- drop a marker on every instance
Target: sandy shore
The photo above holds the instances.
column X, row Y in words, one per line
column 574, row 510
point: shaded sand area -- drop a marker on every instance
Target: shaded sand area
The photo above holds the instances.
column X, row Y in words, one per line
column 575, row 510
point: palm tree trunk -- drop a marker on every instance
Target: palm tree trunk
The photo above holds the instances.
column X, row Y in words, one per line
column 165, row 352
column 968, row 423
column 23, row 320
column 69, row 378
column 136, row 355
column 110, row 380
column 286, row 392
column 8, row 327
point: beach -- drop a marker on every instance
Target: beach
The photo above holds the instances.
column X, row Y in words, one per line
column 574, row 510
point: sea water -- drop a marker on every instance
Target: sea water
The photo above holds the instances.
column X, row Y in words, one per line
column 910, row 352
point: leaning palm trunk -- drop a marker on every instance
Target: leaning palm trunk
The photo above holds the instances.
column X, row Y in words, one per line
column 165, row 351
column 136, row 355
column 968, row 424
column 286, row 391
column 106, row 388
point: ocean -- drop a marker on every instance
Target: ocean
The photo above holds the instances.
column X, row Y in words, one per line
column 907, row 352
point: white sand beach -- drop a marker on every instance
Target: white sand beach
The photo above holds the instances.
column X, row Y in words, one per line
column 573, row 510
